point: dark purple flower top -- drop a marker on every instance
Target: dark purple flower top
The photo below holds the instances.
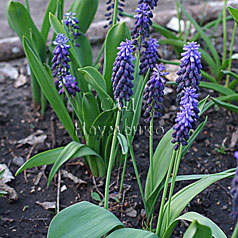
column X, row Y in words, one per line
column 142, row 23
column 154, row 93
column 149, row 56
column 151, row 3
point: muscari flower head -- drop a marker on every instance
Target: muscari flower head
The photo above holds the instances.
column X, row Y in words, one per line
column 149, row 56
column 142, row 23
column 151, row 3
column 190, row 68
column 61, row 59
column 70, row 84
column 234, row 191
column 71, row 22
column 186, row 117
column 154, row 92
column 122, row 75
column 110, row 9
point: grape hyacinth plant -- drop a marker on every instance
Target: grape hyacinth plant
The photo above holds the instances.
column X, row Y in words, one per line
column 106, row 98
column 122, row 75
column 71, row 22
column 149, row 56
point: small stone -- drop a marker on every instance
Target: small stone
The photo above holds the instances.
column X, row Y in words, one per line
column 63, row 188
column 8, row 71
column 132, row 213
column 18, row 161
column 21, row 81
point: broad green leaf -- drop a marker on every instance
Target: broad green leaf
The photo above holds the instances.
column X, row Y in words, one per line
column 68, row 153
column 217, row 87
column 21, row 22
column 85, row 11
column 115, row 36
column 104, row 120
column 49, row 89
column 94, row 78
column 90, row 109
column 191, row 216
column 123, row 142
column 228, row 106
column 50, row 156
column 234, row 13
column 181, row 199
column 130, row 232
column 45, row 27
column 196, row 230
column 84, row 220
column 203, row 35
column 84, row 52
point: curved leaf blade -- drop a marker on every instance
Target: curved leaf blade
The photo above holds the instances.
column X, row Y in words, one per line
column 123, row 142
column 83, row 219
column 191, row 216
column 69, row 152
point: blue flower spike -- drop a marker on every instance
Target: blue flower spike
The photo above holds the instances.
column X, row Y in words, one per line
column 188, row 93
column 149, row 57
column 142, row 23
column 122, row 75
column 154, row 93
column 71, row 22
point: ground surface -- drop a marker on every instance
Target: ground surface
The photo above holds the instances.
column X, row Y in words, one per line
column 24, row 218
column 38, row 9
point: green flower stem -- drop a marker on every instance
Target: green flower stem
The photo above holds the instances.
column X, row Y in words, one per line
column 111, row 159
column 136, row 170
column 235, row 233
column 161, row 211
column 230, row 55
column 175, row 172
column 179, row 18
column 99, row 54
column 151, row 149
column 123, row 174
column 224, row 33
column 115, row 12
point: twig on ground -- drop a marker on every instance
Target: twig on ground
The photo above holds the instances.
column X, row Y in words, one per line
column 96, row 187
column 27, row 158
